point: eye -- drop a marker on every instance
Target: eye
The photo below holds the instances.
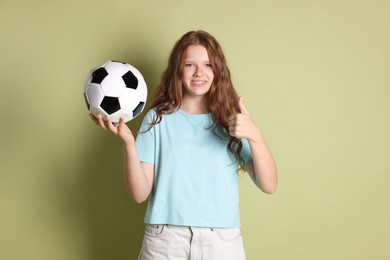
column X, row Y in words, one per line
column 188, row 65
column 209, row 65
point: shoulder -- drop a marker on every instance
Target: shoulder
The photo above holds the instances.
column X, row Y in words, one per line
column 151, row 112
column 152, row 118
column 149, row 116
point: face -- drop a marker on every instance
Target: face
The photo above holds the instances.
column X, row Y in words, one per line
column 198, row 73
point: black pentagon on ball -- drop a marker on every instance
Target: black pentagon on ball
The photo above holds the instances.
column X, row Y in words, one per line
column 138, row 109
column 110, row 104
column 130, row 80
column 98, row 75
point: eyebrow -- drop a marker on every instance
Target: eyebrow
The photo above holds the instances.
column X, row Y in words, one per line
column 194, row 61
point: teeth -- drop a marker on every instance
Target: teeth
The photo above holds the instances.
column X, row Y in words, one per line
column 199, row 82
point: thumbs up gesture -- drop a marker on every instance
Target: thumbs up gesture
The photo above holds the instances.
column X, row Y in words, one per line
column 241, row 124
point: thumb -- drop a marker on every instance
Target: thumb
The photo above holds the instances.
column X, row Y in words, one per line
column 243, row 108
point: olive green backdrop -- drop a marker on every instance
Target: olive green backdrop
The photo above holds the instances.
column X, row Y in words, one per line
column 315, row 76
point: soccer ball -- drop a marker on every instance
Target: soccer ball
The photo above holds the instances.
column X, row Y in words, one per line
column 116, row 89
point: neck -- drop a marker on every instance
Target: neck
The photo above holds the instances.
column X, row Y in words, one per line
column 195, row 105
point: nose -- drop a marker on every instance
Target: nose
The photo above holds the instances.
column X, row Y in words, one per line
column 198, row 71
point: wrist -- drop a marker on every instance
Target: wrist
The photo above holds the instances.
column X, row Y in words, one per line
column 128, row 143
column 256, row 136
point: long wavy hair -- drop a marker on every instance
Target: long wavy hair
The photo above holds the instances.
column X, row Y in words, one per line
column 222, row 97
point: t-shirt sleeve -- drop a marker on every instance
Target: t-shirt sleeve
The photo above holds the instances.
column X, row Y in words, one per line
column 146, row 139
column 246, row 153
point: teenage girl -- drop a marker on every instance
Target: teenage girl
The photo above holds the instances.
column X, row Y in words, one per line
column 186, row 157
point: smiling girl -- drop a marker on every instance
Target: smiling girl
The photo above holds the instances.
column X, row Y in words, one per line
column 186, row 157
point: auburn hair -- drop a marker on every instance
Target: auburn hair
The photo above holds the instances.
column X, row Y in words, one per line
column 222, row 97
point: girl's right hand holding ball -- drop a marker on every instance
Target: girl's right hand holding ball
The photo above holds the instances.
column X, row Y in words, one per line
column 120, row 129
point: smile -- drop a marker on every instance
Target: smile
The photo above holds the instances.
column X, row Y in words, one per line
column 198, row 82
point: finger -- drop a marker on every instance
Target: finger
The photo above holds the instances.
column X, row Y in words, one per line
column 110, row 126
column 232, row 122
column 232, row 130
column 101, row 121
column 232, row 133
column 121, row 121
column 94, row 119
column 237, row 120
column 243, row 108
column 232, row 117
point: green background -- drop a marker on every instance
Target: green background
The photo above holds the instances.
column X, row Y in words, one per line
column 315, row 76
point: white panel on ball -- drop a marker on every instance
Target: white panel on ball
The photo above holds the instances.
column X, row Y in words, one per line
column 127, row 115
column 98, row 110
column 130, row 99
column 95, row 94
column 116, row 68
column 113, row 86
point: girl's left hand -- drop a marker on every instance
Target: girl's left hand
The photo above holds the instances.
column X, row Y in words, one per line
column 241, row 124
column 261, row 168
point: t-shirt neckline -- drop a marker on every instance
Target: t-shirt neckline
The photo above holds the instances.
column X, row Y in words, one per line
column 193, row 115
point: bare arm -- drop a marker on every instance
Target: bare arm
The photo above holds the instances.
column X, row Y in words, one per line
column 138, row 176
column 262, row 167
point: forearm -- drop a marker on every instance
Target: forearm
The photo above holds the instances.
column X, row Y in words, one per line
column 263, row 171
column 137, row 181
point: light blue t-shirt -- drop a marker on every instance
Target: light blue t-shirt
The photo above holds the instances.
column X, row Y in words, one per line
column 196, row 179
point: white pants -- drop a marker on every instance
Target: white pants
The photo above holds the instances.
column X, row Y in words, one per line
column 166, row 242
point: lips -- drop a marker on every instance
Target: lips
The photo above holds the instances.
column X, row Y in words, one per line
column 198, row 82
